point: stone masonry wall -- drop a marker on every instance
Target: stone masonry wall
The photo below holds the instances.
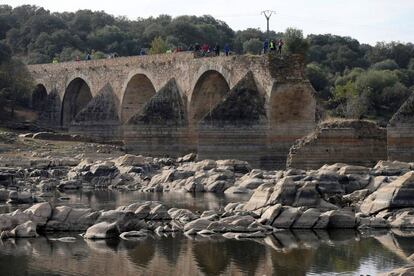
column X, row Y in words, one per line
column 400, row 133
column 351, row 141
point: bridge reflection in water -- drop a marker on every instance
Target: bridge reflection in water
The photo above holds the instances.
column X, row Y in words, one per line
column 283, row 253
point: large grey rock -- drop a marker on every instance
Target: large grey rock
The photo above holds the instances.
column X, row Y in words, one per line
column 20, row 197
column 197, row 225
column 270, row 214
column 251, row 183
column 391, row 168
column 102, row 230
column 398, row 194
column 182, row 215
column 25, row 230
column 284, row 192
column 4, row 195
column 260, row 197
column 308, row 219
column 40, row 213
column 341, row 219
column 194, row 187
column 287, row 217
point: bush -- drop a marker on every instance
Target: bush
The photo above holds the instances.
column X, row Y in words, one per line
column 253, row 46
column 387, row 64
column 158, row 46
column 294, row 41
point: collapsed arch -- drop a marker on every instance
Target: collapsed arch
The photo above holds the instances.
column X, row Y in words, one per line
column 77, row 96
column 138, row 92
column 39, row 98
column 209, row 90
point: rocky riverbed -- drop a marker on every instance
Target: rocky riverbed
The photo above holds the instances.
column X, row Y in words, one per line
column 335, row 196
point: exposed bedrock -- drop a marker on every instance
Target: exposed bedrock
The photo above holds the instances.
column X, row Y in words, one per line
column 355, row 142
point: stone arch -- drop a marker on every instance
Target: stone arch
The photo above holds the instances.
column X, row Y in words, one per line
column 39, row 97
column 210, row 89
column 77, row 96
column 138, row 91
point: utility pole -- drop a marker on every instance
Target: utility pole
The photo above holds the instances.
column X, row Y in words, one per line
column 268, row 14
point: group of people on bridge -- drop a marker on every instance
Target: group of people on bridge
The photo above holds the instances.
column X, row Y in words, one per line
column 272, row 46
column 203, row 50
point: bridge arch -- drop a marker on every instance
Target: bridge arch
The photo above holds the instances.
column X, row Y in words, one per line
column 77, row 96
column 39, row 97
column 209, row 90
column 138, row 91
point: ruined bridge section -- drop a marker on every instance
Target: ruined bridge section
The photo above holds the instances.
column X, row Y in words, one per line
column 246, row 107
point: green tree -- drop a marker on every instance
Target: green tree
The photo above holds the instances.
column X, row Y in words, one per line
column 158, row 46
column 294, row 41
column 253, row 46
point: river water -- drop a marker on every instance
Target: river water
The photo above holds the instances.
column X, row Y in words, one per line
column 340, row 252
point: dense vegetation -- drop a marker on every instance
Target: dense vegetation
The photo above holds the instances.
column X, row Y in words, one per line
column 351, row 79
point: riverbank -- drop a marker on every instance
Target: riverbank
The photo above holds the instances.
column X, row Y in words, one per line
column 335, row 196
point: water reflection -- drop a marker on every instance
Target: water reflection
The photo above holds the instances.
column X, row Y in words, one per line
column 108, row 199
column 284, row 253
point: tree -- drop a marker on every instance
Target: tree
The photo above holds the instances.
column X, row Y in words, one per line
column 388, row 64
column 253, row 46
column 294, row 41
column 158, row 46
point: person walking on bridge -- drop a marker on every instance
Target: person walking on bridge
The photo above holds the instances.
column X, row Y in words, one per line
column 217, row 50
column 265, row 46
column 227, row 49
column 280, row 46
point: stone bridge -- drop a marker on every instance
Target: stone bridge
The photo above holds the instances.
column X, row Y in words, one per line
column 244, row 107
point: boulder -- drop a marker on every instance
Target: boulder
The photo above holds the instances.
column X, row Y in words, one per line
column 218, row 186
column 4, row 195
column 182, row 215
column 20, row 197
column 237, row 190
column 251, row 183
column 398, row 194
column 159, row 212
column 40, row 213
column 341, row 219
column 130, row 160
column 194, row 187
column 352, row 169
column 259, row 197
column 403, row 219
column 70, row 185
column 270, row 214
column 307, row 196
column 25, row 230
column 134, row 234
column 102, row 230
column 287, row 217
column 391, row 168
column 308, row 219
column 284, row 192
column 197, row 225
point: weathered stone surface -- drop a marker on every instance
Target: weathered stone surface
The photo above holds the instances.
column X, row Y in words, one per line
column 287, row 217
column 25, row 230
column 260, row 197
column 354, row 142
column 271, row 214
column 398, row 194
column 20, row 197
column 102, row 230
column 308, row 219
column 341, row 219
column 197, row 225
column 39, row 213
column 400, row 133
